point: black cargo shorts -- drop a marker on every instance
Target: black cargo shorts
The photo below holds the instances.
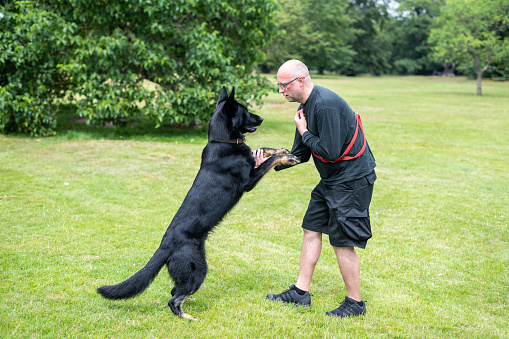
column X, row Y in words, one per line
column 342, row 211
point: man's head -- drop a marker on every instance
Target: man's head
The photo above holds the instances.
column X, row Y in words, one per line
column 294, row 81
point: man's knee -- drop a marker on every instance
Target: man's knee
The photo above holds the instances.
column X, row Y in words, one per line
column 312, row 234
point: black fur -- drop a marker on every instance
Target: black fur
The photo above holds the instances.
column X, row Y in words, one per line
column 227, row 171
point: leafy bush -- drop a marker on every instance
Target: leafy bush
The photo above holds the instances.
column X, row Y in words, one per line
column 164, row 60
column 29, row 80
column 406, row 66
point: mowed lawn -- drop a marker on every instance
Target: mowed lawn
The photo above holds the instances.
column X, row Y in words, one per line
column 89, row 207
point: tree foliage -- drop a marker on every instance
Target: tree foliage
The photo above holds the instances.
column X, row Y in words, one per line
column 355, row 37
column 471, row 32
column 291, row 37
column 346, row 36
column 165, row 60
column 411, row 53
column 317, row 32
column 371, row 43
column 330, row 47
column 29, row 78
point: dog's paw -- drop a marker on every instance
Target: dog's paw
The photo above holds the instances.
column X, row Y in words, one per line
column 282, row 151
column 288, row 159
column 293, row 160
column 269, row 152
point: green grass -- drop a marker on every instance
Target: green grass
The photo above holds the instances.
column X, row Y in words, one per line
column 89, row 207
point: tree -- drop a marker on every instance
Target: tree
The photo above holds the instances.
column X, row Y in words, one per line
column 104, row 53
column 371, row 43
column 411, row 51
column 319, row 33
column 291, row 31
column 31, row 47
column 330, row 45
column 469, row 32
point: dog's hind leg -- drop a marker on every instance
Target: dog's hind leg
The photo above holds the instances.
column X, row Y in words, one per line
column 188, row 269
column 176, row 303
column 178, row 299
column 173, row 294
column 176, row 307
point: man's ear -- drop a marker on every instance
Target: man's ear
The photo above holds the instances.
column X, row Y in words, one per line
column 223, row 96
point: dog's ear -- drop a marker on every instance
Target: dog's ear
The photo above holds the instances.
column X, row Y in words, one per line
column 231, row 98
column 223, row 96
column 230, row 102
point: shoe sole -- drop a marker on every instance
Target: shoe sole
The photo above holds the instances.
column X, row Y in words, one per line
column 330, row 314
column 289, row 302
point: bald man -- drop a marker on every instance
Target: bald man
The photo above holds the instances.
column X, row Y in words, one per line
column 330, row 132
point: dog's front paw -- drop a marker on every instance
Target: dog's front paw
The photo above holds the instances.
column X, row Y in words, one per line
column 292, row 159
column 282, row 151
column 288, row 159
column 268, row 152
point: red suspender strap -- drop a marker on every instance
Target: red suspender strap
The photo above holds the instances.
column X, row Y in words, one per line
column 344, row 157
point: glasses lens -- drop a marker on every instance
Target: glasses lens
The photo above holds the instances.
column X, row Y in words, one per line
column 282, row 86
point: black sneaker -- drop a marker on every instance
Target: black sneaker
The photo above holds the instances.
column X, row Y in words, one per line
column 348, row 308
column 291, row 296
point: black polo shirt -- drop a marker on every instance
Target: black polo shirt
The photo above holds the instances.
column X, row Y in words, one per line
column 331, row 126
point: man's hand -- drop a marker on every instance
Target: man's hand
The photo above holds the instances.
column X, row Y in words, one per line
column 300, row 121
column 258, row 155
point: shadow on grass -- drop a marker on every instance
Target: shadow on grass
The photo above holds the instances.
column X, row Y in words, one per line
column 72, row 127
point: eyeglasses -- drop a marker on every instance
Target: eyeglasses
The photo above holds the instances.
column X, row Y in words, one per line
column 282, row 86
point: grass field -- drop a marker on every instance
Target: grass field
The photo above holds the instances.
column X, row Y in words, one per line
column 89, row 207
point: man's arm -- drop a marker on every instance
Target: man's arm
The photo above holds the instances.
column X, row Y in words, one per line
column 301, row 151
column 332, row 134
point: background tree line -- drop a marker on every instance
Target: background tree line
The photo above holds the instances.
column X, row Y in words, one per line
column 166, row 60
column 354, row 37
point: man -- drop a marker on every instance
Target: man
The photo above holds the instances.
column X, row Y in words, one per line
column 332, row 133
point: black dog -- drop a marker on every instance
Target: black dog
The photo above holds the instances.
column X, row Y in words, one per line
column 227, row 170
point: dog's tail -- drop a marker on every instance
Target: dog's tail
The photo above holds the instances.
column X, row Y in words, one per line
column 139, row 282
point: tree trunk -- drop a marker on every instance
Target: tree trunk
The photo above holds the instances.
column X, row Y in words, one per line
column 479, row 81
column 480, row 70
column 449, row 69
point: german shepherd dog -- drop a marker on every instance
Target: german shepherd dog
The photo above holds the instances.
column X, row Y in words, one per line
column 227, row 170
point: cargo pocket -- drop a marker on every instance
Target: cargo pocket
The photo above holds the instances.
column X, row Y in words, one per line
column 364, row 191
column 353, row 226
column 358, row 229
column 371, row 178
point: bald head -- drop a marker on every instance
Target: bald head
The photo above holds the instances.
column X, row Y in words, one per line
column 293, row 69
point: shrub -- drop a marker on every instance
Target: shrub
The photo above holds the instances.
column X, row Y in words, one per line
column 102, row 54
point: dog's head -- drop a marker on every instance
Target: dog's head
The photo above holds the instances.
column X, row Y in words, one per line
column 232, row 118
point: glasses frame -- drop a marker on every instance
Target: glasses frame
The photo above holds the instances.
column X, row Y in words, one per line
column 283, row 86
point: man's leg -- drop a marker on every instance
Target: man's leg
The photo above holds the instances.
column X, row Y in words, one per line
column 316, row 218
column 309, row 255
column 349, row 266
column 298, row 294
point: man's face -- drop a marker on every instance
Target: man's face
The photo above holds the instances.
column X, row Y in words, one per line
column 289, row 87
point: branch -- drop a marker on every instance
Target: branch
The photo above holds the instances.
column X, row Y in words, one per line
column 488, row 64
column 499, row 71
